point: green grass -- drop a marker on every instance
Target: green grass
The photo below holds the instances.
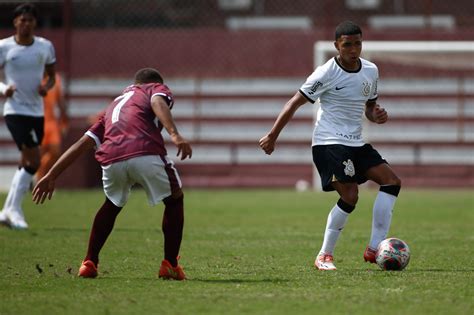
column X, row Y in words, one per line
column 245, row 252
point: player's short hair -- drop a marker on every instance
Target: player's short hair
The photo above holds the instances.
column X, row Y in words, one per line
column 25, row 8
column 148, row 75
column 347, row 28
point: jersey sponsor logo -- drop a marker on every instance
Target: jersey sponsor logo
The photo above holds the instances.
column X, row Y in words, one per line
column 349, row 169
column 314, row 88
column 339, row 88
column 349, row 137
column 366, row 88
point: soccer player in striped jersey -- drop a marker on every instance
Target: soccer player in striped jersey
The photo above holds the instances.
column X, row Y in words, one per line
column 346, row 87
column 131, row 150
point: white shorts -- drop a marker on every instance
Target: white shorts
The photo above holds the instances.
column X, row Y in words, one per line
column 156, row 174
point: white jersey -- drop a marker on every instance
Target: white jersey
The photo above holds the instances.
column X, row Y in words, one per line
column 342, row 96
column 24, row 67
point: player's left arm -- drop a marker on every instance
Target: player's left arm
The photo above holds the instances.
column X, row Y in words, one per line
column 163, row 112
column 51, row 74
column 375, row 113
column 45, row 186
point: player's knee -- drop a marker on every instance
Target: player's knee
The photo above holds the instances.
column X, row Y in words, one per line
column 31, row 169
column 351, row 196
column 346, row 207
column 393, row 190
column 174, row 199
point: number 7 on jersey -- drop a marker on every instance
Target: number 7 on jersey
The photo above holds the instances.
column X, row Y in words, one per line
column 123, row 99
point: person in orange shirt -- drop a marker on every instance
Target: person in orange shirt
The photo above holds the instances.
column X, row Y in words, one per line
column 54, row 127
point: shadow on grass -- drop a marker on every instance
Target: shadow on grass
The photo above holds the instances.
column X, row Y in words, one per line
column 226, row 281
column 108, row 277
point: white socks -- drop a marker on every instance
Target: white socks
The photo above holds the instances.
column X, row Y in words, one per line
column 8, row 202
column 19, row 186
column 337, row 219
column 382, row 217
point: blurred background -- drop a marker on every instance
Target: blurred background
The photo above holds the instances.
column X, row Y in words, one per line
column 232, row 65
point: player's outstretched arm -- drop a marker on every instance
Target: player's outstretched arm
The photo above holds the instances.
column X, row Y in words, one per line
column 267, row 143
column 45, row 186
column 162, row 111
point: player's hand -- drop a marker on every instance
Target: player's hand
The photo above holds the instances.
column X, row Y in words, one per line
column 10, row 90
column 379, row 114
column 184, row 148
column 267, row 144
column 44, row 188
column 42, row 90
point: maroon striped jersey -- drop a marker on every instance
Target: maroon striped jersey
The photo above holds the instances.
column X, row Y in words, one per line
column 129, row 128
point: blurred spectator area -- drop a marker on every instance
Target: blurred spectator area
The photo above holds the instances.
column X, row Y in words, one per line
column 232, row 65
column 216, row 13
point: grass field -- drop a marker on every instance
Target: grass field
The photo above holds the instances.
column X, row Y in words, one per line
column 245, row 252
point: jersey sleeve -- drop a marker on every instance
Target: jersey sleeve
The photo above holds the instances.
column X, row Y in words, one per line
column 51, row 57
column 97, row 130
column 373, row 90
column 164, row 91
column 315, row 85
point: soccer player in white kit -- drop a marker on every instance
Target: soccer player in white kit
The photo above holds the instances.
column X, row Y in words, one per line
column 24, row 59
column 131, row 150
column 346, row 86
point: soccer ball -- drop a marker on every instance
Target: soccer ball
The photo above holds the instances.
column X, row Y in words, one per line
column 392, row 254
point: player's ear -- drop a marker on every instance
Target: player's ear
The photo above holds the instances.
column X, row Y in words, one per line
column 336, row 45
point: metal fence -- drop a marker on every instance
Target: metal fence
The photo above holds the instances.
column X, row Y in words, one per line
column 225, row 38
column 233, row 63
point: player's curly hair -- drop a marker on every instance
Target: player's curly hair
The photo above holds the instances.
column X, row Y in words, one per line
column 347, row 28
column 148, row 75
column 25, row 8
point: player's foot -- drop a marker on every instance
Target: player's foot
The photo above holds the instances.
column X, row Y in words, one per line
column 16, row 220
column 4, row 218
column 324, row 262
column 167, row 271
column 369, row 255
column 88, row 269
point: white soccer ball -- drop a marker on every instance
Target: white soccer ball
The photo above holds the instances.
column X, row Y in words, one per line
column 302, row 185
column 392, row 254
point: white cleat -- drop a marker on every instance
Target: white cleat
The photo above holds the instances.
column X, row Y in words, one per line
column 17, row 220
column 325, row 262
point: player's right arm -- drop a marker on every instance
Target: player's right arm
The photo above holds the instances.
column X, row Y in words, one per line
column 7, row 90
column 45, row 186
column 267, row 143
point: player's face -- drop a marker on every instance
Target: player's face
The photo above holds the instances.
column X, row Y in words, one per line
column 349, row 47
column 24, row 24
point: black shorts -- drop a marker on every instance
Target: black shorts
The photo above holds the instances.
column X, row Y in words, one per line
column 25, row 130
column 344, row 164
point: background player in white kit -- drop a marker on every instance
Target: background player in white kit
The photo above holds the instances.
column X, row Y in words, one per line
column 346, row 86
column 131, row 150
column 24, row 59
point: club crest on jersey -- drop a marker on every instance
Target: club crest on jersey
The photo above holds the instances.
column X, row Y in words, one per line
column 314, row 88
column 349, row 169
column 366, row 88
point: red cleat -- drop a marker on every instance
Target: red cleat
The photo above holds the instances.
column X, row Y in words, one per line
column 88, row 269
column 369, row 255
column 167, row 271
